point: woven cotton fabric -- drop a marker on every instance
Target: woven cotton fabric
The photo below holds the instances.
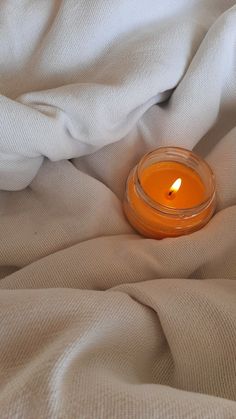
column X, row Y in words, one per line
column 97, row 322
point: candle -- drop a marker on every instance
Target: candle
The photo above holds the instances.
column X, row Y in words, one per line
column 169, row 193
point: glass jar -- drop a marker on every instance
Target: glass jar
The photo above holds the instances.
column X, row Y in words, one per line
column 156, row 218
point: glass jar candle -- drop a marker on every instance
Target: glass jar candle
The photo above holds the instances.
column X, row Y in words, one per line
column 169, row 193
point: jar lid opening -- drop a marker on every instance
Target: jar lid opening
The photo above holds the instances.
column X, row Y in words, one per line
column 184, row 157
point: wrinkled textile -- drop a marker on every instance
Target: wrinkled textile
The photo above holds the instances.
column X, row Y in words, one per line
column 97, row 322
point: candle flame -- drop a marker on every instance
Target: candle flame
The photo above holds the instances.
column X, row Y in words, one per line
column 175, row 186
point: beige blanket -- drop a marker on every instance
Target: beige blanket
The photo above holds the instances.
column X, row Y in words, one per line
column 97, row 322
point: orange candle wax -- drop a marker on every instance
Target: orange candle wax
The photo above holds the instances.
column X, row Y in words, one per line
column 169, row 193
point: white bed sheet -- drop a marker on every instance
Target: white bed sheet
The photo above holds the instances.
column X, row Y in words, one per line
column 96, row 321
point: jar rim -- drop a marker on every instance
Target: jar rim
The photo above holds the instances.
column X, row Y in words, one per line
column 178, row 152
